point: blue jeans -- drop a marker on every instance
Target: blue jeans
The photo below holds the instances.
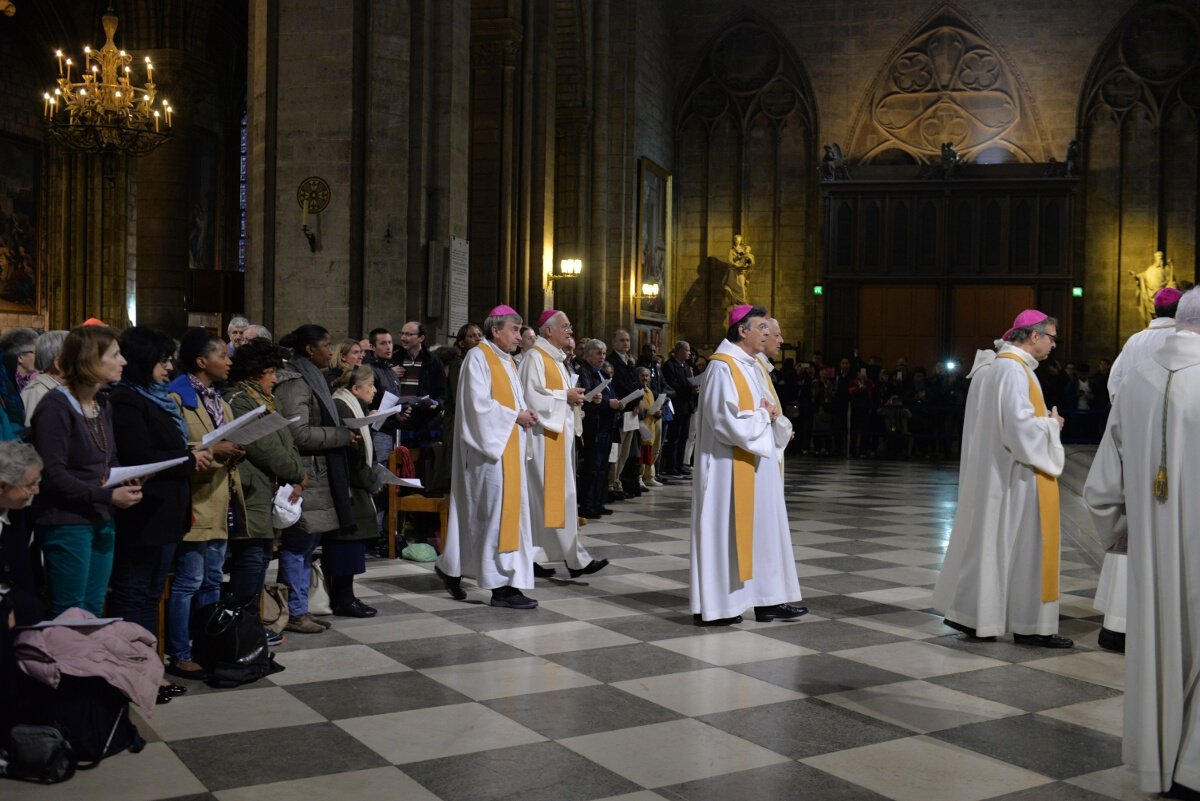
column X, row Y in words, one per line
column 197, row 583
column 78, row 563
column 248, row 566
column 295, row 568
column 138, row 577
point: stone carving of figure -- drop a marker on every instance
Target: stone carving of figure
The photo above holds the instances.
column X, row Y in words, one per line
column 833, row 164
column 1073, row 157
column 950, row 159
column 1158, row 275
column 737, row 278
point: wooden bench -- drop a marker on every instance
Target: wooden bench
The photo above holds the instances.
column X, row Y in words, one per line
column 410, row 503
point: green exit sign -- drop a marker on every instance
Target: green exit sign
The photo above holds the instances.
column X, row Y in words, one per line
column 1077, row 292
column 818, row 290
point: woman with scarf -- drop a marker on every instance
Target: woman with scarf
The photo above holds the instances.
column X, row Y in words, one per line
column 148, row 427
column 322, row 441
column 217, row 504
column 344, row 554
column 271, row 462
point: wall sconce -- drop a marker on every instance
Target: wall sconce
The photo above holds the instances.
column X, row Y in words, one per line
column 313, row 197
column 567, row 268
column 650, row 291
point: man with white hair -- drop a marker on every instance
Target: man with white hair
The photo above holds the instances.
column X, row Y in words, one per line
column 256, row 331
column 772, row 347
column 1141, row 485
column 237, row 332
column 553, row 502
column 1001, row 569
column 741, row 545
column 1112, row 591
column 487, row 534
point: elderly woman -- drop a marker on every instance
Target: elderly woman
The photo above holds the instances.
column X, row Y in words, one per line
column 271, row 462
column 599, row 419
column 19, row 355
column 344, row 554
column 217, row 503
column 20, row 477
column 45, row 361
column 349, row 354
column 322, row 441
column 73, row 433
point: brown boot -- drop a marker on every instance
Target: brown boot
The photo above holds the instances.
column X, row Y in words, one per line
column 305, row 624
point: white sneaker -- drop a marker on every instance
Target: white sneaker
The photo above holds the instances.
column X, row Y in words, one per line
column 650, row 482
column 643, row 486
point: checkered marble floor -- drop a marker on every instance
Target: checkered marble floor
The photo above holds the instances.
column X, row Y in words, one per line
column 607, row 691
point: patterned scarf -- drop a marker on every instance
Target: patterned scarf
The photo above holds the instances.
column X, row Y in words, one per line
column 257, row 395
column 211, row 400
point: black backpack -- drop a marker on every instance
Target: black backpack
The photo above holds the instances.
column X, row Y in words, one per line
column 229, row 640
column 92, row 715
column 39, row 753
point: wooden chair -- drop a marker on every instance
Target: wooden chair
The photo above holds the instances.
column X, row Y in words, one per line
column 410, row 503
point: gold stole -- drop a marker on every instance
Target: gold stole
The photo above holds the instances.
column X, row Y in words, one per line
column 510, row 461
column 774, row 395
column 1047, row 490
column 743, row 477
column 555, row 470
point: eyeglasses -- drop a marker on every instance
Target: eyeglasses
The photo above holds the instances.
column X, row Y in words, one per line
column 1054, row 337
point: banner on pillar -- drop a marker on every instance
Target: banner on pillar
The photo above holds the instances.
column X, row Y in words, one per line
column 457, row 284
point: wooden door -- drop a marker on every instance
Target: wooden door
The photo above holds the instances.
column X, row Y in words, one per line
column 899, row 320
column 981, row 314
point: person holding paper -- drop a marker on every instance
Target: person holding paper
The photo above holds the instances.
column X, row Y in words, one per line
column 651, row 428
column 150, row 428
column 741, row 544
column 322, row 441
column 677, row 373
column 271, row 462
column 553, row 506
column 600, row 416
column 218, row 506
column 73, row 433
column 488, row 533
column 344, row 553
column 623, row 476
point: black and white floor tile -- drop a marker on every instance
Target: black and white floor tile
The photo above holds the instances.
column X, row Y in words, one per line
column 607, row 690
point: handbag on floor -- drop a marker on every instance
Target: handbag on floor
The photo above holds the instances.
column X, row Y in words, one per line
column 40, row 753
column 318, row 592
column 231, row 643
column 274, row 606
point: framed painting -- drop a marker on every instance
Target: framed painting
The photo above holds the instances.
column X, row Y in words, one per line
column 653, row 241
column 20, row 267
column 202, row 202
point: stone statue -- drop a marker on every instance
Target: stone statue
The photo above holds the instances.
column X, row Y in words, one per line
column 1158, row 275
column 1073, row 158
column 833, row 164
column 950, row 159
column 737, row 278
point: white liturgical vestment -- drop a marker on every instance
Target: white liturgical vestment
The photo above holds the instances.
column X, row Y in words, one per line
column 991, row 579
column 559, row 544
column 482, row 427
column 1162, row 647
column 717, row 590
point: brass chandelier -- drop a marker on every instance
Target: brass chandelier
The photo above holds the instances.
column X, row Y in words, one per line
column 100, row 109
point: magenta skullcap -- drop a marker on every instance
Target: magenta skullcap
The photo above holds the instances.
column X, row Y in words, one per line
column 546, row 315
column 1167, row 296
column 1025, row 319
column 738, row 313
column 503, row 311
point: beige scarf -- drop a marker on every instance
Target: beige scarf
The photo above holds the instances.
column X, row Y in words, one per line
column 356, row 408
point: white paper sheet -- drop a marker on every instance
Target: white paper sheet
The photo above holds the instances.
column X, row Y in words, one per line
column 77, row 623
column 388, row 477
column 222, row 432
column 630, row 421
column 359, row 422
column 119, row 475
column 264, row 425
column 595, row 393
column 695, row 380
column 632, row 396
column 659, row 402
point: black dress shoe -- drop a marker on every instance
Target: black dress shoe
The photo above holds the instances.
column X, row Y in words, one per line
column 590, row 514
column 163, row 697
column 613, row 495
column 453, row 584
column 1112, row 640
column 355, row 608
column 172, row 690
column 1043, row 640
column 512, row 598
column 594, row 566
column 967, row 630
column 604, row 510
column 765, row 614
column 697, row 620
column 542, row 572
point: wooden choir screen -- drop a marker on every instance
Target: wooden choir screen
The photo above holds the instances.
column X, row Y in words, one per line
column 980, row 314
column 899, row 320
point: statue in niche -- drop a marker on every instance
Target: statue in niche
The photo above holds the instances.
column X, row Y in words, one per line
column 1158, row 275
column 737, row 277
column 950, row 159
column 1073, row 158
column 833, row 164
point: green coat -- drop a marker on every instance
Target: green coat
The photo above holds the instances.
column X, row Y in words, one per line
column 270, row 463
column 363, row 484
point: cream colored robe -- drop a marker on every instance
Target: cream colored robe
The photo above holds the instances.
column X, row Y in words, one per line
column 554, row 414
column 717, row 592
column 991, row 579
column 1162, row 647
column 481, row 430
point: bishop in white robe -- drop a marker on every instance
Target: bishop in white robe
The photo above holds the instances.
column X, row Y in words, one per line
column 554, row 506
column 488, row 534
column 741, row 546
column 1001, row 568
column 1112, row 591
column 1142, row 483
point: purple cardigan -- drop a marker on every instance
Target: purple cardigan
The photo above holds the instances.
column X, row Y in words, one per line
column 74, row 468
